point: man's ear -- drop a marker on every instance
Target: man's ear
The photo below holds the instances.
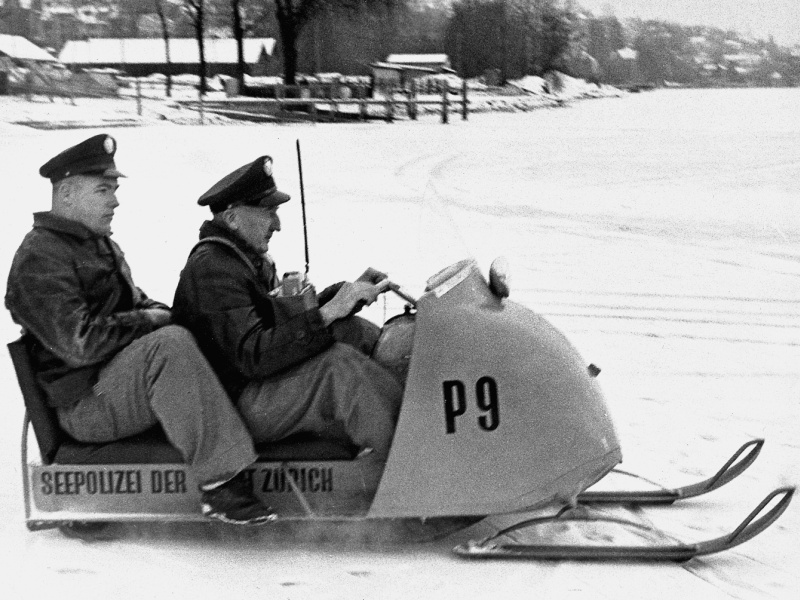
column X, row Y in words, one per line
column 229, row 216
column 66, row 190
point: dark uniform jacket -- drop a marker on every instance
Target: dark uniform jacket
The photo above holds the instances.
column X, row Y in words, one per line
column 72, row 291
column 246, row 334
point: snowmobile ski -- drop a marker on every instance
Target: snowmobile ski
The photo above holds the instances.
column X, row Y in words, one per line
column 677, row 551
column 726, row 474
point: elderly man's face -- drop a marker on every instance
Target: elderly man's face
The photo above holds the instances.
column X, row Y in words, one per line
column 255, row 225
column 91, row 200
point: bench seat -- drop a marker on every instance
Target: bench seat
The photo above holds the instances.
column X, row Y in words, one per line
column 150, row 447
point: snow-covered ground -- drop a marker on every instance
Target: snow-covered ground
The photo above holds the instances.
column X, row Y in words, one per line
column 659, row 231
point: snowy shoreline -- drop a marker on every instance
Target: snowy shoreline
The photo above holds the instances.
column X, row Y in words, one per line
column 530, row 93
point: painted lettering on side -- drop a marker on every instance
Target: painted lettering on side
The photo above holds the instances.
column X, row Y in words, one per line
column 311, row 479
column 486, row 393
column 76, row 483
column 168, row 481
column 113, row 481
column 487, row 401
column 454, row 403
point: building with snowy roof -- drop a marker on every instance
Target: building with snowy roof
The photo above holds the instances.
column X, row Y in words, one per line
column 399, row 70
column 17, row 48
column 143, row 56
column 18, row 56
column 436, row 62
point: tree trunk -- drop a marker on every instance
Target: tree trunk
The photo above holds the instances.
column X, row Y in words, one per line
column 289, row 46
column 165, row 34
column 503, row 35
column 201, row 46
column 199, row 31
column 238, row 33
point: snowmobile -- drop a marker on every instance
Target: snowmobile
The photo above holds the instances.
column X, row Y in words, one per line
column 500, row 416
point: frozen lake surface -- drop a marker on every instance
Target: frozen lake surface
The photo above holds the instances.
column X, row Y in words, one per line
column 660, row 232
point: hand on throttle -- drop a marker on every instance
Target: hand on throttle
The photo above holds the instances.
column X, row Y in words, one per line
column 351, row 298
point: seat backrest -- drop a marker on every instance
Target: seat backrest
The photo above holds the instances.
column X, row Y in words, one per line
column 43, row 418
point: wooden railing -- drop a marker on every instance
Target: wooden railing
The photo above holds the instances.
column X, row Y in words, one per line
column 329, row 108
column 326, row 103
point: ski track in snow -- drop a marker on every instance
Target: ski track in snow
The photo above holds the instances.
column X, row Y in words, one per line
column 660, row 232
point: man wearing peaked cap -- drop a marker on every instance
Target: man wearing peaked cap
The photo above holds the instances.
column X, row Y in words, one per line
column 94, row 156
column 291, row 360
column 250, row 185
column 109, row 359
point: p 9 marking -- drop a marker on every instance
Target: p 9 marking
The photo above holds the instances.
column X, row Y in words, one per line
column 486, row 399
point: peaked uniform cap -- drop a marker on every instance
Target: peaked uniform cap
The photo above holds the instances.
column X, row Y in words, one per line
column 94, row 156
column 250, row 185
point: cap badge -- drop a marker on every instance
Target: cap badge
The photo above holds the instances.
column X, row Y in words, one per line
column 109, row 145
column 268, row 166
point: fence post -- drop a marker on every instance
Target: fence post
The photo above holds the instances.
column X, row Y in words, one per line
column 445, row 103
column 334, row 109
column 363, row 103
column 412, row 101
column 202, row 108
column 464, row 101
column 138, row 96
column 312, row 105
column 389, row 105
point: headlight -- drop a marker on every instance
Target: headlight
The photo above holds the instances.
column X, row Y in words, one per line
column 500, row 277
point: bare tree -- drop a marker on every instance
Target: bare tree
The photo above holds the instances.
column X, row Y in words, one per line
column 293, row 15
column 238, row 33
column 510, row 37
column 244, row 15
column 196, row 9
column 165, row 34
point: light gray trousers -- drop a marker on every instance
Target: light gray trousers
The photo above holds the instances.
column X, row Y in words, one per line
column 340, row 393
column 163, row 378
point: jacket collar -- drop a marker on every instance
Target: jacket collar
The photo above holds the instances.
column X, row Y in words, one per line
column 47, row 220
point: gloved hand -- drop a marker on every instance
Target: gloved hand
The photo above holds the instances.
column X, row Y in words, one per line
column 372, row 276
column 351, row 298
column 328, row 293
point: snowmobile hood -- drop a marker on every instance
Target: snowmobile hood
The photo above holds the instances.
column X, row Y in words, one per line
column 500, row 411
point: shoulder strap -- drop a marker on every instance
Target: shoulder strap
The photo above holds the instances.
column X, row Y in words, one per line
column 221, row 240
column 270, row 273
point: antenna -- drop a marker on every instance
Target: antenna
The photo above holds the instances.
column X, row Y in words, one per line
column 303, row 202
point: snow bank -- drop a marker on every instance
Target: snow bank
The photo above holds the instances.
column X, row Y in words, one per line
column 560, row 86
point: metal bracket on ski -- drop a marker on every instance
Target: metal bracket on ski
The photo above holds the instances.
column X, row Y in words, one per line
column 678, row 552
column 727, row 473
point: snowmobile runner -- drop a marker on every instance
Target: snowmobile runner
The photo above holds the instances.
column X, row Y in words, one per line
column 500, row 416
column 672, row 550
column 727, row 473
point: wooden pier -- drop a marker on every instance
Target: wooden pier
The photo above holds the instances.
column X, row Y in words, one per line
column 296, row 103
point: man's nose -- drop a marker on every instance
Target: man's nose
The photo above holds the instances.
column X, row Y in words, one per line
column 276, row 224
